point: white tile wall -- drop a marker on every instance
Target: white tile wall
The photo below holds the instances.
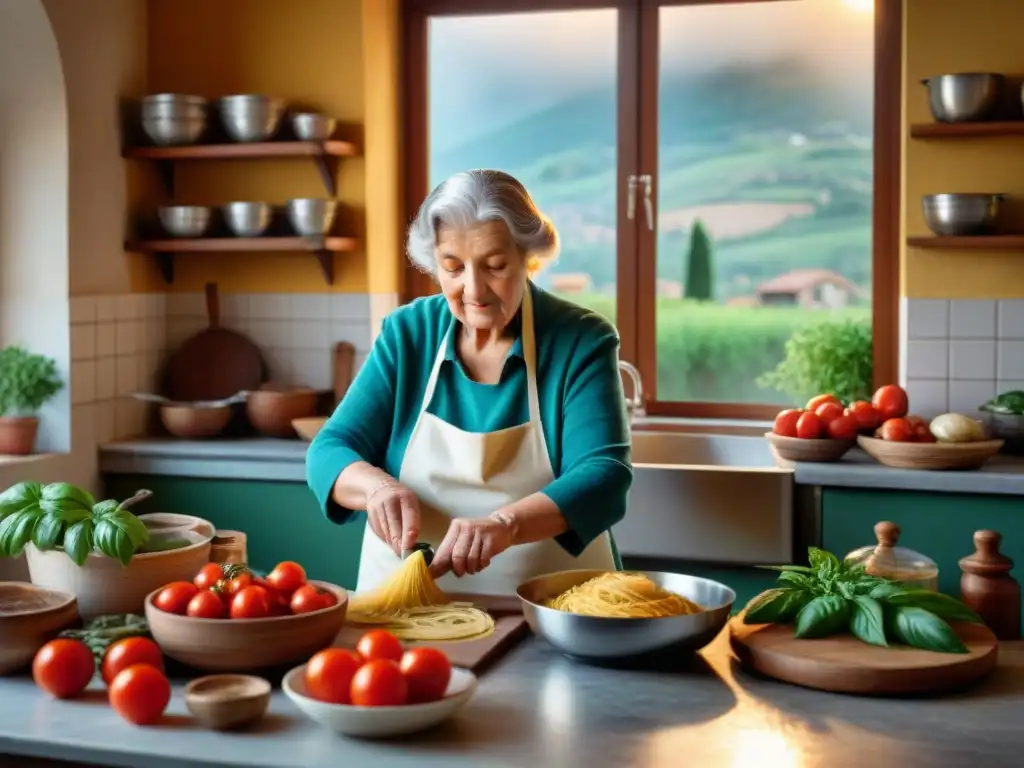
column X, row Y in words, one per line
column 958, row 353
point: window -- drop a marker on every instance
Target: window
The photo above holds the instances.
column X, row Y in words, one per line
column 722, row 173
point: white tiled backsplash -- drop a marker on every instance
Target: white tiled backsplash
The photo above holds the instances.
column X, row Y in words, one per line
column 958, row 353
column 118, row 343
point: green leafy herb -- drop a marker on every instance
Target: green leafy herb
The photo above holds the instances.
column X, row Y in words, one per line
column 1010, row 403
column 829, row 596
column 27, row 381
column 103, row 631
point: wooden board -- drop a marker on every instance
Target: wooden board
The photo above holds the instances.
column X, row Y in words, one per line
column 476, row 655
column 844, row 664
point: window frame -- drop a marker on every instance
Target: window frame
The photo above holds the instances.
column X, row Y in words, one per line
column 637, row 137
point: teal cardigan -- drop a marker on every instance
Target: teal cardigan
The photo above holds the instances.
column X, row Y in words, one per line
column 581, row 404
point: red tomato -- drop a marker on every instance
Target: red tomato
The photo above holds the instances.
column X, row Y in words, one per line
column 785, row 422
column 865, row 414
column 140, row 694
column 207, row 605
column 251, row 603
column 379, row 644
column 237, row 584
column 815, row 402
column 175, row 596
column 286, row 577
column 379, row 683
column 279, row 604
column 129, row 652
column 809, row 426
column 308, row 598
column 427, row 672
column 828, row 412
column 897, row 430
column 209, row 576
column 891, row 402
column 843, row 428
column 329, row 675
column 916, row 421
column 63, row 667
column 922, row 434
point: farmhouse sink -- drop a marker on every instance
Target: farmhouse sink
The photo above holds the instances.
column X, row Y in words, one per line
column 709, row 498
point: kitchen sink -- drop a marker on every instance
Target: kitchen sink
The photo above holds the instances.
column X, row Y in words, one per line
column 708, row 498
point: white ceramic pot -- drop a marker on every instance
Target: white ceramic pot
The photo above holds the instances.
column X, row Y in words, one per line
column 103, row 586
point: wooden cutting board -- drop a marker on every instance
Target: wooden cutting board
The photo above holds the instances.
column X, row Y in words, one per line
column 844, row 664
column 475, row 655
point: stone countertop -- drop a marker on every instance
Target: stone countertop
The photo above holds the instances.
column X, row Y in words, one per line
column 538, row 708
column 1002, row 474
column 253, row 458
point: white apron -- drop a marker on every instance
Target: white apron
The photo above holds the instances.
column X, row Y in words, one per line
column 455, row 473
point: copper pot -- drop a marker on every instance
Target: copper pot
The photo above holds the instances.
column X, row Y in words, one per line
column 271, row 412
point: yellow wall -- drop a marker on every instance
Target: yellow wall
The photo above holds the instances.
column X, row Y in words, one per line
column 943, row 36
column 309, row 52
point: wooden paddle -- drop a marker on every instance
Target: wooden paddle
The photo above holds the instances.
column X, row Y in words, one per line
column 215, row 363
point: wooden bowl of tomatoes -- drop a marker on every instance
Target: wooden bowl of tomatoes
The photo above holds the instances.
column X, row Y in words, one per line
column 808, row 449
column 901, row 454
column 230, row 620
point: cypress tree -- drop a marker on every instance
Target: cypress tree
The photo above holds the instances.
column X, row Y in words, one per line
column 699, row 282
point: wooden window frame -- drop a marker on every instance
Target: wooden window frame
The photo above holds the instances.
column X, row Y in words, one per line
column 638, row 64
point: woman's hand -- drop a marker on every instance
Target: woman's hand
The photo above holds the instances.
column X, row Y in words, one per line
column 470, row 544
column 394, row 514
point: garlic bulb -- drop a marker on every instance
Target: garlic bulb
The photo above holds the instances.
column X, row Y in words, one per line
column 956, row 428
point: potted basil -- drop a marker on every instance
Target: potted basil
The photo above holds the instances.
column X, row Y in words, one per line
column 27, row 382
column 96, row 550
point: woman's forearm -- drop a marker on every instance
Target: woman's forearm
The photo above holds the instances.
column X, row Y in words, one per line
column 533, row 518
column 357, row 481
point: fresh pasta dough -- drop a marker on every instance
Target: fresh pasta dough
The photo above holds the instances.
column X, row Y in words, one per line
column 411, row 606
column 622, row 596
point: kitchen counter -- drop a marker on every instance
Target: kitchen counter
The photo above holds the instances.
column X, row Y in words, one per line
column 537, row 708
column 253, row 458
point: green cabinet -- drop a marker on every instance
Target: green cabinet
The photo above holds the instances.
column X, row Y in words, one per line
column 939, row 525
column 281, row 520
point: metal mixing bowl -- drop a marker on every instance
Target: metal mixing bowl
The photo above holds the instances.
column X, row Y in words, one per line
column 309, row 126
column 171, row 119
column 963, row 97
column 246, row 219
column 251, row 117
column 184, row 220
column 591, row 637
column 960, row 214
column 312, row 216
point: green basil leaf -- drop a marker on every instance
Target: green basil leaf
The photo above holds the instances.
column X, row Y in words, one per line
column 105, row 508
column 943, row 606
column 137, row 531
column 46, row 534
column 68, row 502
column 797, row 580
column 21, row 496
column 822, row 616
column 922, row 629
column 845, row 589
column 886, row 590
column 763, row 608
column 101, row 537
column 867, row 620
column 78, row 541
column 16, row 531
column 787, row 568
column 822, row 561
column 114, row 542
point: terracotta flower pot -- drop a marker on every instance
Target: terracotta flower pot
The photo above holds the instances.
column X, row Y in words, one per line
column 18, row 435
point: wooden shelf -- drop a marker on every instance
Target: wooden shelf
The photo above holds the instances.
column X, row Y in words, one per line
column 970, row 242
column 965, row 130
column 322, row 248
column 324, row 154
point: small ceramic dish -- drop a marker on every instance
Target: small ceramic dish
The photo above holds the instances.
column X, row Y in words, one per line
column 227, row 701
column 799, row 449
column 380, row 722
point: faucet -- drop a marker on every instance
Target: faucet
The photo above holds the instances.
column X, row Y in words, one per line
column 634, row 407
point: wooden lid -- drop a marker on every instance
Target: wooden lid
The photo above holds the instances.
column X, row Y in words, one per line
column 987, row 560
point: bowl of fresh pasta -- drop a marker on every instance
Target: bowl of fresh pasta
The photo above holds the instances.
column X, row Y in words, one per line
column 604, row 615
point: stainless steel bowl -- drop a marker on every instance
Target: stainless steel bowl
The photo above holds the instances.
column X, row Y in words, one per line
column 964, row 96
column 960, row 214
column 184, row 220
column 309, row 126
column 251, row 117
column 312, row 216
column 590, row 637
column 171, row 119
column 1008, row 427
column 246, row 219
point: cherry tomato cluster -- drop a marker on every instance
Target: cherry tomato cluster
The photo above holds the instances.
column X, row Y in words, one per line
column 132, row 668
column 825, row 417
column 234, row 592
column 378, row 673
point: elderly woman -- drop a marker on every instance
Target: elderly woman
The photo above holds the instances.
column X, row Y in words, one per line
column 488, row 421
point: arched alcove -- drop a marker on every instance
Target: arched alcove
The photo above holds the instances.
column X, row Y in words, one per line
column 34, row 201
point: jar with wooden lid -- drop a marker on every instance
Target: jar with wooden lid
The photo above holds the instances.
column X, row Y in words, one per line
column 887, row 560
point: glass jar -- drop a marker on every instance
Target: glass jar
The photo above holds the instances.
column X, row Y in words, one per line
column 889, row 561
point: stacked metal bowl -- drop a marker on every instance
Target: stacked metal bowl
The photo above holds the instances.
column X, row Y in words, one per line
column 251, row 117
column 174, row 119
column 312, row 216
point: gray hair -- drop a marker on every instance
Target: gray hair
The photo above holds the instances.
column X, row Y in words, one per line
column 475, row 197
